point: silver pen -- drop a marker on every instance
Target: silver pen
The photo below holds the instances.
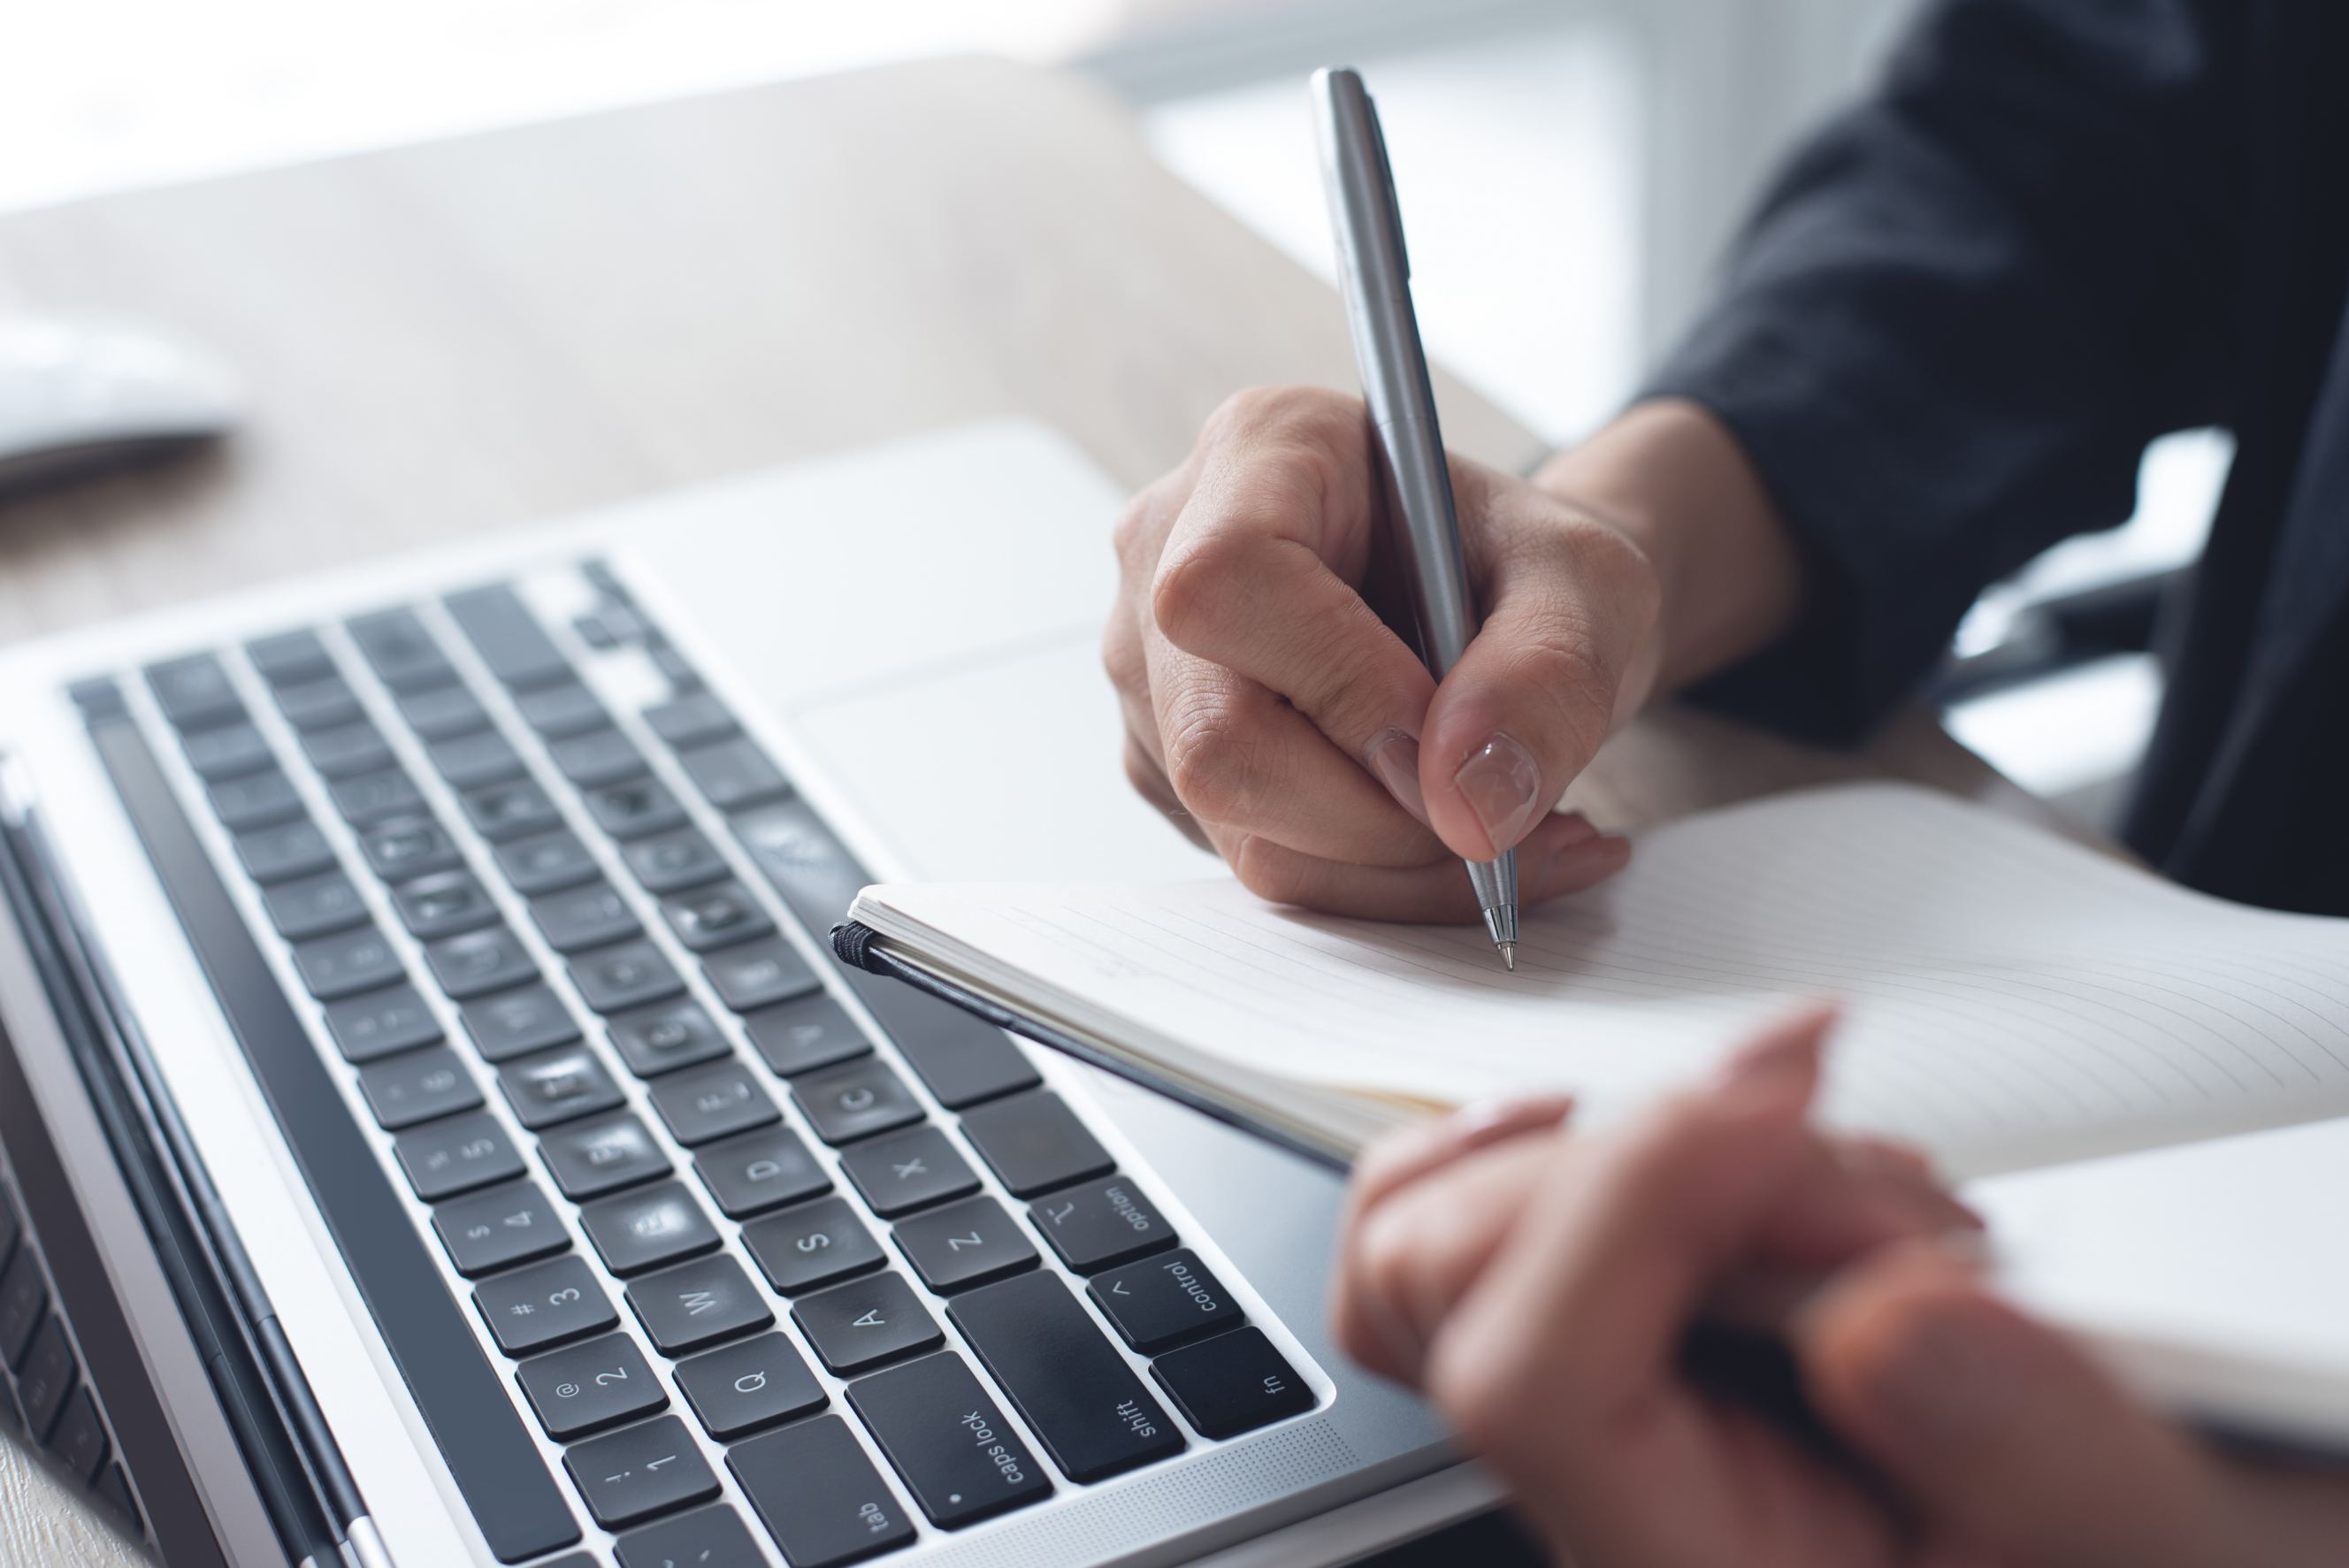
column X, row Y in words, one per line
column 1374, row 272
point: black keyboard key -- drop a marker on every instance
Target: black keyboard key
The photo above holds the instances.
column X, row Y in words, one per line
column 319, row 704
column 346, row 748
column 543, row 863
column 314, row 905
column 589, row 1387
column 11, row 1229
column 672, row 861
column 1100, row 1224
column 624, row 976
column 715, row 916
column 1035, row 1143
column 1074, row 1389
column 965, row 1244
column 808, row 1247
column 558, row 1086
column 479, row 962
column 256, row 801
column 528, row 1309
column 556, row 711
column 456, row 1155
column 1232, row 1384
column 1162, row 1302
column 442, row 713
column 596, row 758
column 589, row 1159
column 799, row 1037
column 282, row 852
column 818, row 1495
column 226, row 751
column 79, row 1440
column 634, row 808
column 743, row 1387
column 908, row 1171
column 517, row 1023
column 733, row 774
column 714, row 1100
column 400, row 651
column 346, row 963
column 45, row 1379
column 511, row 811
column 486, row 1232
column 364, row 799
column 289, row 657
column 690, row 720
column 113, row 1488
column 846, row 1103
column 475, row 761
column 592, row 915
column 758, row 1171
column 417, row 1086
column 759, row 975
column 446, row 903
column 706, row 1538
column 697, row 1303
column 194, row 692
column 24, row 1297
column 507, row 636
column 646, row 1228
column 948, row 1441
column 959, row 1059
column 400, row 848
column 665, row 1037
column 865, row 1322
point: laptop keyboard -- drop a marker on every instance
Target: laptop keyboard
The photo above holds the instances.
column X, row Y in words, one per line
column 761, row 1269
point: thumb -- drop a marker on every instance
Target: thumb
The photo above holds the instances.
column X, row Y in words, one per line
column 2009, row 1441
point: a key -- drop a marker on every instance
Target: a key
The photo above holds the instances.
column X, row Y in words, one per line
column 516, row 1023
column 529, row 1309
column 690, row 720
column 740, row 1388
column 627, row 974
column 1232, row 1384
column 646, row 1228
column 545, row 861
column 908, row 1171
column 446, row 903
column 489, row 1231
column 254, row 800
column 194, row 692
column 557, row 1086
column 476, row 760
column 589, row 1159
column 557, row 711
column 718, row 915
column 810, row 1247
column 417, row 1086
column 712, row 1101
column 846, row 1103
column 1101, row 1224
column 456, row 1154
column 712, row 1537
column 283, row 852
column 289, row 657
column 818, row 1495
column 1162, row 1302
column 799, row 1037
column 346, row 963
column 1034, row 1142
column 479, row 962
column 733, row 774
column 697, row 1304
column 758, row 1171
column 671, row 860
column 946, row 1436
column 634, row 808
column 226, row 751
column 596, row 758
column 964, row 1245
column 399, row 650
column 365, row 799
column 665, row 1037
column 759, row 975
column 442, row 713
column 398, row 848
column 381, row 1024
column 510, row 640
column 319, row 704
column 343, row 750
column 315, row 905
column 501, row 812
column 1075, row 1392
column 589, row 915
column 586, row 1387
column 865, row 1322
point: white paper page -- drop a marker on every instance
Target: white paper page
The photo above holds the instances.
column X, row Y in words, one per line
column 2013, row 999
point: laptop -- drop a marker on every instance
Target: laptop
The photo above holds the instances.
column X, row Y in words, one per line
column 433, row 1129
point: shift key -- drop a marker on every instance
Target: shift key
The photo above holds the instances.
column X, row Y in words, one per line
column 946, row 1437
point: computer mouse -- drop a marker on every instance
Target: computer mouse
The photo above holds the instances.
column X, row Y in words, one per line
column 83, row 394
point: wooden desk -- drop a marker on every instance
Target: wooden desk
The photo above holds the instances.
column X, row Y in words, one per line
column 471, row 333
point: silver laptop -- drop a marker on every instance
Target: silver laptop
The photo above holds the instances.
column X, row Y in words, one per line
column 435, row 1132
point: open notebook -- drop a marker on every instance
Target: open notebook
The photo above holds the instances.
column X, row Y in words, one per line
column 2014, row 1000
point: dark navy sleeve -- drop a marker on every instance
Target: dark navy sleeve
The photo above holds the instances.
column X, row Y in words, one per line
column 1964, row 309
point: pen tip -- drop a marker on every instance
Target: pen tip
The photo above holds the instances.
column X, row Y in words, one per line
column 1509, row 955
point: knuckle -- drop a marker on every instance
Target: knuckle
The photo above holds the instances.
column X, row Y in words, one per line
column 1122, row 657
column 1480, row 1390
column 1209, row 765
column 1191, row 585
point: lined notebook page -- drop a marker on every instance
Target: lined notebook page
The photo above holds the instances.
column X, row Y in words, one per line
column 2013, row 999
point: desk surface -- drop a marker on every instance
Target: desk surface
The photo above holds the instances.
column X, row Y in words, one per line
column 471, row 333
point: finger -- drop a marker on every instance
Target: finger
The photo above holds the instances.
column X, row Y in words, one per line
column 1565, row 855
column 1152, row 785
column 2005, row 1435
column 1833, row 1211
column 1421, row 1148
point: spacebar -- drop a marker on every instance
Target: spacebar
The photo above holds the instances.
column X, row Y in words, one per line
column 518, row 1508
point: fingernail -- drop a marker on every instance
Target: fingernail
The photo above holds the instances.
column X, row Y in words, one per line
column 1502, row 785
column 1943, row 1387
column 1394, row 757
column 1489, row 1121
